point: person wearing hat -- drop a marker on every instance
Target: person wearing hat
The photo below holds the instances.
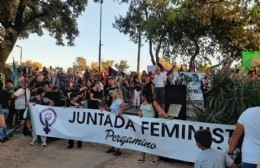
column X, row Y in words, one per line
column 40, row 98
column 74, row 103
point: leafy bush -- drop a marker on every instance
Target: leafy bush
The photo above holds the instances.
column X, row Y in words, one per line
column 228, row 98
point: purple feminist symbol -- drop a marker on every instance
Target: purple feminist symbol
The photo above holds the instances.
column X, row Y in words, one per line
column 46, row 128
column 48, row 118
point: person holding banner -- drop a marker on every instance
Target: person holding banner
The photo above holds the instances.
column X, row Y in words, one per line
column 42, row 100
column 249, row 126
column 147, row 109
column 74, row 103
column 117, row 107
column 95, row 96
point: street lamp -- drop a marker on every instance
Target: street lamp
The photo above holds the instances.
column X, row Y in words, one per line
column 100, row 44
column 21, row 54
column 139, row 47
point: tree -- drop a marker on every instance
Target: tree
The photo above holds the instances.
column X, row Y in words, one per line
column 80, row 64
column 106, row 64
column 94, row 67
column 122, row 66
column 10, row 65
column 22, row 18
column 166, row 64
column 32, row 64
column 193, row 29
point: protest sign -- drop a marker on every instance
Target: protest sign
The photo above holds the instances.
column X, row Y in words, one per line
column 193, row 81
column 151, row 68
column 168, row 138
column 174, row 110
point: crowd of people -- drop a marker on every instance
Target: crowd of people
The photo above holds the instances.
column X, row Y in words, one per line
column 87, row 90
column 110, row 93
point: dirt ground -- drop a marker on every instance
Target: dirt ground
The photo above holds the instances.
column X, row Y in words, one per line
column 17, row 153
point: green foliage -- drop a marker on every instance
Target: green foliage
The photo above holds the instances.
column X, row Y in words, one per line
column 228, row 98
column 194, row 29
column 58, row 17
column 20, row 18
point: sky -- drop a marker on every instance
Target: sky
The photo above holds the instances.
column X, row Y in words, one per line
column 116, row 46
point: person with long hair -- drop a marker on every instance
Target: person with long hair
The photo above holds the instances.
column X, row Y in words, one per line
column 117, row 107
column 147, row 109
column 39, row 98
column 137, row 91
column 143, row 77
column 149, row 86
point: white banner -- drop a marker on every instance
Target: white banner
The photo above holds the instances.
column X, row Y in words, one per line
column 168, row 138
column 151, row 68
column 193, row 81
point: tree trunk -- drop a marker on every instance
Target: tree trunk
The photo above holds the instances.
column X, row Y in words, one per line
column 158, row 48
column 7, row 46
column 197, row 51
column 173, row 67
column 151, row 52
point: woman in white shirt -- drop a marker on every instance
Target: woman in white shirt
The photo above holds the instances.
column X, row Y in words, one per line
column 117, row 107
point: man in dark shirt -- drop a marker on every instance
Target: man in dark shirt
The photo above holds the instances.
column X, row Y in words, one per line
column 95, row 96
column 110, row 90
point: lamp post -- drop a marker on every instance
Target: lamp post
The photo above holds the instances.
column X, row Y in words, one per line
column 21, row 54
column 100, row 44
column 139, row 48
